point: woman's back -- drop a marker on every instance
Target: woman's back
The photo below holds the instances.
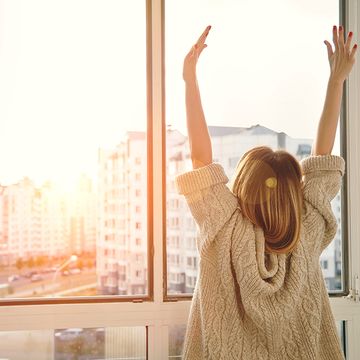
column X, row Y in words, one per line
column 254, row 303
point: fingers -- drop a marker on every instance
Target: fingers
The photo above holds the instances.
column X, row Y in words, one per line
column 347, row 47
column 353, row 51
column 341, row 39
column 348, row 41
column 202, row 49
column 340, row 45
column 335, row 38
column 200, row 44
column 203, row 36
column 329, row 48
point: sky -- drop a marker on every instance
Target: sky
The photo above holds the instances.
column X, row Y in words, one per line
column 73, row 74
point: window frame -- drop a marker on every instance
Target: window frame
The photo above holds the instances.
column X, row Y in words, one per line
column 158, row 311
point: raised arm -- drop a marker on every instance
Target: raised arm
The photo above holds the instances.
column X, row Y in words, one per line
column 341, row 62
column 199, row 138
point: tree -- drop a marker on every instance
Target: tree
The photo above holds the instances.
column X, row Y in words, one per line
column 40, row 260
column 80, row 264
column 19, row 263
column 30, row 262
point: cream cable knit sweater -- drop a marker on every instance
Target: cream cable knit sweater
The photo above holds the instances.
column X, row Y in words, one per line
column 253, row 306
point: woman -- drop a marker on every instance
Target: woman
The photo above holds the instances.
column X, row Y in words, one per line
column 260, row 292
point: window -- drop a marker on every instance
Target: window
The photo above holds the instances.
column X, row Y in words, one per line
column 89, row 343
column 68, row 205
column 188, row 261
column 261, row 119
column 97, row 36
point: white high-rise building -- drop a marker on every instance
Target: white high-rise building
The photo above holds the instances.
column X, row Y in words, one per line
column 122, row 217
column 3, row 227
column 51, row 219
column 33, row 221
column 43, row 221
column 82, row 217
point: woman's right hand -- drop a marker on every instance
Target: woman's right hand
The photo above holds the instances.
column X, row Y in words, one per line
column 342, row 60
column 190, row 61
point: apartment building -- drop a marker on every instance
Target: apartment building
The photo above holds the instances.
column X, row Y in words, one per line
column 122, row 217
column 33, row 221
column 43, row 221
column 82, row 216
column 3, row 226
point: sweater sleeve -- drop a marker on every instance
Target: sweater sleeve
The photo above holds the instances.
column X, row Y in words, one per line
column 210, row 201
column 322, row 181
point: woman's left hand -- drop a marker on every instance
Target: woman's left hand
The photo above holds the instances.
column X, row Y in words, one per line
column 190, row 61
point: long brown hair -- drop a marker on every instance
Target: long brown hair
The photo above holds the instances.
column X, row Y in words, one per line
column 268, row 185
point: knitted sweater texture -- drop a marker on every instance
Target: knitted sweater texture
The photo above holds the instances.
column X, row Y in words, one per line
column 251, row 305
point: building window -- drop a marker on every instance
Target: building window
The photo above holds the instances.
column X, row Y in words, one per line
column 189, row 261
column 325, row 264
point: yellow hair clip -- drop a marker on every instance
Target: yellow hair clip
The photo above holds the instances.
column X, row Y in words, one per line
column 271, row 182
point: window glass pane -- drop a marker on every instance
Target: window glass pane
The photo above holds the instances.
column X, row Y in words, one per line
column 73, row 148
column 176, row 341
column 263, row 81
column 177, row 335
column 76, row 343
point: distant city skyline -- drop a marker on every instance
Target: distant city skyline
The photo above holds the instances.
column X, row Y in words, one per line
column 70, row 187
column 73, row 75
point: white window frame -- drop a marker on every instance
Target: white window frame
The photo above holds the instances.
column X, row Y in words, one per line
column 158, row 315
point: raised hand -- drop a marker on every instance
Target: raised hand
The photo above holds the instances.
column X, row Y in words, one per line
column 190, row 61
column 342, row 59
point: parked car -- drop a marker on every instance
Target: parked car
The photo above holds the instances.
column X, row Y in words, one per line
column 12, row 278
column 29, row 274
column 36, row 277
column 46, row 270
column 74, row 271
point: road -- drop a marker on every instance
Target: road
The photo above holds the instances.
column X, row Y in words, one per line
column 51, row 283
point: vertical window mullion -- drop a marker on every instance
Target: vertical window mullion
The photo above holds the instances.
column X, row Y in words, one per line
column 157, row 144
